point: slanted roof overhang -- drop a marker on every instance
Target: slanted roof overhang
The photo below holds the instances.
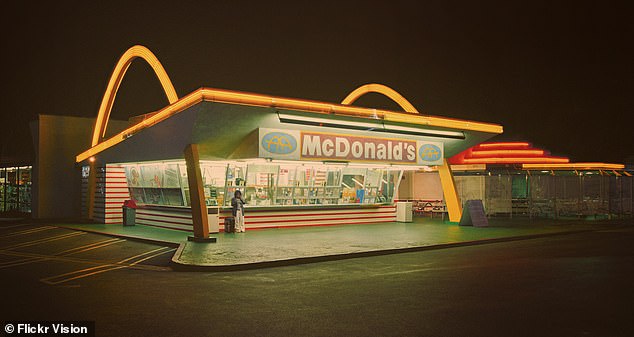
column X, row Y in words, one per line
column 484, row 130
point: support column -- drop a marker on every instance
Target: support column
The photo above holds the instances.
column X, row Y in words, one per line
column 92, row 188
column 454, row 207
column 197, row 195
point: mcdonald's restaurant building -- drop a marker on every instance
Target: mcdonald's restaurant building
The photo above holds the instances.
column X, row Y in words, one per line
column 297, row 162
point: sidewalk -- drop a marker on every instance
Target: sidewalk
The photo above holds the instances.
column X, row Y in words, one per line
column 285, row 246
column 139, row 232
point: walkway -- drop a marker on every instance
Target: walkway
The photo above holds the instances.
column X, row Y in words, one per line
column 283, row 246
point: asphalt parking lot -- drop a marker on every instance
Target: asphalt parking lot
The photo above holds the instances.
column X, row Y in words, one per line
column 560, row 285
column 58, row 256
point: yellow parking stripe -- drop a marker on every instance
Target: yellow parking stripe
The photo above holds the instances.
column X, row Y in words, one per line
column 28, row 231
column 44, row 240
column 91, row 246
column 62, row 278
column 76, row 250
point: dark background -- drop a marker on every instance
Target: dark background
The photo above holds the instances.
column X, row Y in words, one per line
column 555, row 73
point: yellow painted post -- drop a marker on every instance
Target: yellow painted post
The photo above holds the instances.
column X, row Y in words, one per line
column 197, row 195
column 92, row 189
column 454, row 207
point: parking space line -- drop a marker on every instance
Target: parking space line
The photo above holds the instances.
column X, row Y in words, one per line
column 153, row 256
column 43, row 240
column 14, row 226
column 141, row 255
column 15, row 261
column 62, row 278
column 90, row 246
column 28, row 231
column 21, row 262
column 81, row 249
column 75, row 260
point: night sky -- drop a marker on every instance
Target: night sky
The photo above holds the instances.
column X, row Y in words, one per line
column 556, row 73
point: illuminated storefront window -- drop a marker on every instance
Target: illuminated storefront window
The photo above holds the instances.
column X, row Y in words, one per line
column 156, row 184
column 15, row 189
column 3, row 179
column 264, row 184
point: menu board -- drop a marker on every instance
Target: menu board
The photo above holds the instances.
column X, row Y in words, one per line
column 473, row 214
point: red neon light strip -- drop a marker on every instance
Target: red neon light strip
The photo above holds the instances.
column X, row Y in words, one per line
column 488, row 146
column 506, row 153
column 498, row 160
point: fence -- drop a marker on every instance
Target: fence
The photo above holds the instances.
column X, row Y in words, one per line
column 550, row 196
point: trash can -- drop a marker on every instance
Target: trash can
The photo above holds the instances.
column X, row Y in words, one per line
column 129, row 213
column 404, row 211
column 129, row 216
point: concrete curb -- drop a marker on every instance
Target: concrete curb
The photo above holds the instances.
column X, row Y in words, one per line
column 183, row 266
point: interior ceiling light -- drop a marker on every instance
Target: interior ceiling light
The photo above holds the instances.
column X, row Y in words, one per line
column 378, row 126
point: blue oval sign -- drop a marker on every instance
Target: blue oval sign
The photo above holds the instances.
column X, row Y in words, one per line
column 429, row 152
column 279, row 143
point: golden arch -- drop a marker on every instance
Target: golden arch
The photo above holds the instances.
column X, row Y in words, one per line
column 381, row 89
column 115, row 81
column 454, row 207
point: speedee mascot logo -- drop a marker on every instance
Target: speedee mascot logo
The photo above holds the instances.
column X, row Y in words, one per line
column 279, row 143
column 429, row 153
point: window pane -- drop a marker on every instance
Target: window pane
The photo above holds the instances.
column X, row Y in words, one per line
column 235, row 180
column 25, row 189
column 260, row 186
column 172, row 196
column 11, row 189
column 137, row 194
column 3, row 180
column 214, row 178
column 170, row 176
column 371, row 186
column 155, row 183
column 286, row 182
column 153, row 196
column 151, row 176
column 133, row 175
column 353, row 185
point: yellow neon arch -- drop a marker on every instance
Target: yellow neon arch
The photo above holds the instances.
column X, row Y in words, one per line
column 381, row 89
column 115, row 81
column 454, row 208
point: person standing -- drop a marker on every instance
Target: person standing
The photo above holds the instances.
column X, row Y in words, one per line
column 237, row 205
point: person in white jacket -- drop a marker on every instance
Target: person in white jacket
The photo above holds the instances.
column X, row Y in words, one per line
column 237, row 204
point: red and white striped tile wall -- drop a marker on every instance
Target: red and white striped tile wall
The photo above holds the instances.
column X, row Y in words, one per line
column 254, row 218
column 111, row 192
column 314, row 217
column 165, row 218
